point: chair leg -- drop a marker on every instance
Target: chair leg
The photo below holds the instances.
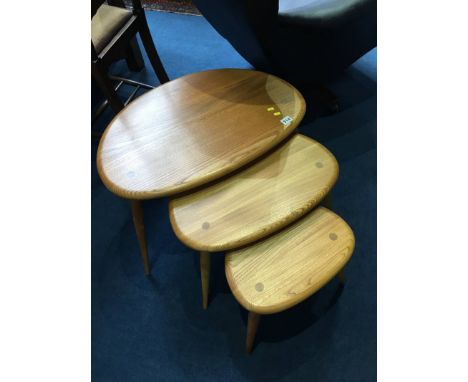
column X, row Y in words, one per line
column 205, row 266
column 252, row 326
column 137, row 212
column 133, row 56
column 150, row 48
column 106, row 86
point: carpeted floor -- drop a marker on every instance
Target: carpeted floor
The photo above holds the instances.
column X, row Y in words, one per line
column 154, row 329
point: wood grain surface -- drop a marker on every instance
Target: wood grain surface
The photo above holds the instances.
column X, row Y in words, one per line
column 195, row 129
column 256, row 201
column 283, row 270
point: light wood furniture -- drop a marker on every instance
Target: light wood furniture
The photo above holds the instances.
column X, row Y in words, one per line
column 193, row 130
column 283, row 270
column 255, row 202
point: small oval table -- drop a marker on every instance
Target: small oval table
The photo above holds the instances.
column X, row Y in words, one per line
column 193, row 130
column 281, row 271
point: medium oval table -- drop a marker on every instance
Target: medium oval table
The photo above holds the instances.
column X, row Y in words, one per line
column 191, row 131
column 255, row 202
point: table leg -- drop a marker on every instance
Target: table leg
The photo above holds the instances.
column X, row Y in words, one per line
column 137, row 212
column 328, row 201
column 205, row 265
column 341, row 276
column 252, row 326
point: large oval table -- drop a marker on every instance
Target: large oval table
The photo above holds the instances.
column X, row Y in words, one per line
column 191, row 131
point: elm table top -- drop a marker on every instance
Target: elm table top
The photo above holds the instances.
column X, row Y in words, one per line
column 195, row 129
column 258, row 200
column 283, row 270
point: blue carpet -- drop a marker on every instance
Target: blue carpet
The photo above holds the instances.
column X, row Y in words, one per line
column 154, row 329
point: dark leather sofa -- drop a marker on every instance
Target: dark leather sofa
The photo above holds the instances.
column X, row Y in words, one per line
column 300, row 40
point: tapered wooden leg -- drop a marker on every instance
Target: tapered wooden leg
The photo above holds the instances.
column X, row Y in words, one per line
column 138, row 222
column 133, row 56
column 252, row 326
column 341, row 276
column 328, row 201
column 205, row 266
column 153, row 55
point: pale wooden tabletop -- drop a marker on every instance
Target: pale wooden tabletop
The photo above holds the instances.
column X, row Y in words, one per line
column 283, row 270
column 195, row 129
column 258, row 200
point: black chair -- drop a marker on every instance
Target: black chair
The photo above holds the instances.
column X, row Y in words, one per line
column 113, row 36
column 300, row 40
